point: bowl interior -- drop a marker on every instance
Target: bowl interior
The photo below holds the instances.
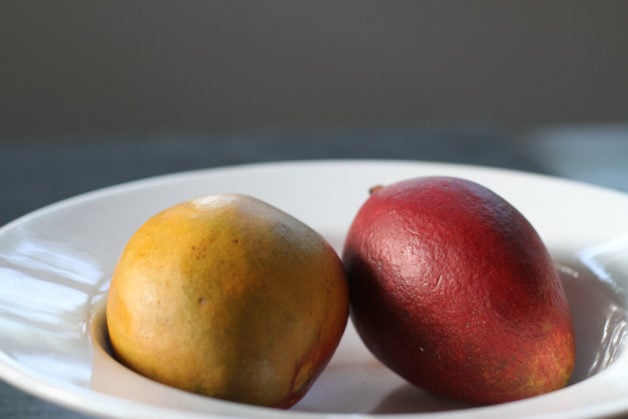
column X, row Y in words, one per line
column 355, row 381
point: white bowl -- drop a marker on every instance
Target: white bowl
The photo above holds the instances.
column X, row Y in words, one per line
column 55, row 266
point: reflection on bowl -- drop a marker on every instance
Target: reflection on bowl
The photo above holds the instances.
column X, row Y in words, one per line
column 599, row 318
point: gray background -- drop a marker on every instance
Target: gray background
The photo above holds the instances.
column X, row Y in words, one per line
column 94, row 93
column 79, row 69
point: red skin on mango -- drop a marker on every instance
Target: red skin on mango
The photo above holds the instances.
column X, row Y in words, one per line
column 453, row 289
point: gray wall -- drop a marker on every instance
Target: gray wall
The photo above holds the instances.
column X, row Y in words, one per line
column 101, row 67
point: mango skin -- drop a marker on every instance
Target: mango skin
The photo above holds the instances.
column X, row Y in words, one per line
column 453, row 289
column 228, row 297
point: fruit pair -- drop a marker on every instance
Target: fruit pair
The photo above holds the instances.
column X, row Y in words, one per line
column 450, row 287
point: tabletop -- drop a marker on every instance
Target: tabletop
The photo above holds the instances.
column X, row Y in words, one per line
column 39, row 173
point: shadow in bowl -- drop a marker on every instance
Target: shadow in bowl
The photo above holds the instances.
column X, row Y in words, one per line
column 409, row 399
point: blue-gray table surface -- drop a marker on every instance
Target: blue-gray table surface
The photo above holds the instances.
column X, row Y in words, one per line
column 39, row 173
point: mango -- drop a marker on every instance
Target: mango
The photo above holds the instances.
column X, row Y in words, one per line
column 229, row 297
column 454, row 290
